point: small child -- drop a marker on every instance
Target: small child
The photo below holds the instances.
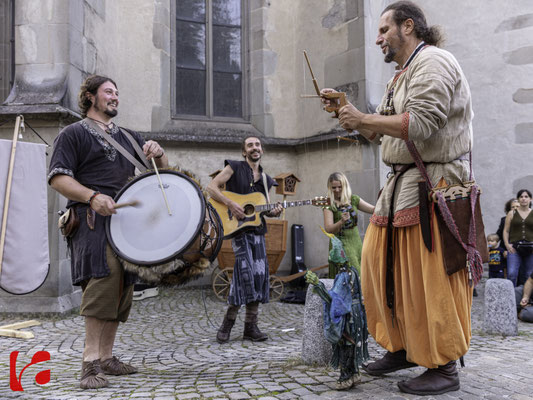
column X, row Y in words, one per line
column 496, row 257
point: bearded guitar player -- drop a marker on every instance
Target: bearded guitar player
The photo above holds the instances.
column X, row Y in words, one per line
column 250, row 283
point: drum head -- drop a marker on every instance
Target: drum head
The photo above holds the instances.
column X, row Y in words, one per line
column 146, row 234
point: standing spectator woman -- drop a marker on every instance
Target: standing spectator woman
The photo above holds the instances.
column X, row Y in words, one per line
column 518, row 231
column 340, row 218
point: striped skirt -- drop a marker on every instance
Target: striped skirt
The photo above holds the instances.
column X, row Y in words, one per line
column 250, row 274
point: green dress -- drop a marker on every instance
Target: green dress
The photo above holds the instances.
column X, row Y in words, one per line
column 349, row 235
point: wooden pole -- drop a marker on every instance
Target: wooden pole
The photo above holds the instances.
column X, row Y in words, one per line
column 18, row 122
column 12, row 330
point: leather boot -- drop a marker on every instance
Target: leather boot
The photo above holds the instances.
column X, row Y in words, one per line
column 252, row 332
column 225, row 330
column 434, row 381
column 390, row 362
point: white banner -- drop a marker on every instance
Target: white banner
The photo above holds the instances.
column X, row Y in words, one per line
column 26, row 258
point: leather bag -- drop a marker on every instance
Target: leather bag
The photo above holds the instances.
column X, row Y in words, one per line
column 460, row 222
column 69, row 222
column 458, row 202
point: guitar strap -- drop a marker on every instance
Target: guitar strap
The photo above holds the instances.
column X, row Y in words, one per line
column 265, row 184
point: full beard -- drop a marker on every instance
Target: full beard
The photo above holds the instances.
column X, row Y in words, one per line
column 389, row 57
column 111, row 113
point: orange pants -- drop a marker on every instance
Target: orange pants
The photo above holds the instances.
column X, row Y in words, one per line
column 432, row 321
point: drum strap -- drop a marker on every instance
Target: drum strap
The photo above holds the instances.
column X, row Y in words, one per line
column 136, row 147
column 119, row 147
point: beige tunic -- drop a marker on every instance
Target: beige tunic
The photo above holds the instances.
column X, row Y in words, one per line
column 434, row 97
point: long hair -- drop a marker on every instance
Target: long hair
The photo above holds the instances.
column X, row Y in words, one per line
column 404, row 10
column 346, row 194
column 90, row 85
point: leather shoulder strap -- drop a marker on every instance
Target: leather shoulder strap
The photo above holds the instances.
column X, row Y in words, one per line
column 116, row 145
column 136, row 147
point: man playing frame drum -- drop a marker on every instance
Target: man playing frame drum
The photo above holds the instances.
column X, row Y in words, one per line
column 250, row 283
column 89, row 171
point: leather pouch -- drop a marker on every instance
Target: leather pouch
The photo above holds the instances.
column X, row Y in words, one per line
column 69, row 222
column 458, row 201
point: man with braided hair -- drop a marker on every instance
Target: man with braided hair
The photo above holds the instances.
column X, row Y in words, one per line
column 415, row 310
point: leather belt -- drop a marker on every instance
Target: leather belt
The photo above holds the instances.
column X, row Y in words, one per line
column 398, row 169
column 402, row 167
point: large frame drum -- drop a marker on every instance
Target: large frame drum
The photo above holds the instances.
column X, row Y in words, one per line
column 146, row 235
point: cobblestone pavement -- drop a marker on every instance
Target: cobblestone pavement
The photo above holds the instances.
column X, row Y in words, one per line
column 172, row 341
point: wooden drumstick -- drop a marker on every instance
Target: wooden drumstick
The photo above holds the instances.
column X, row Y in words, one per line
column 19, row 121
column 132, row 203
column 161, row 185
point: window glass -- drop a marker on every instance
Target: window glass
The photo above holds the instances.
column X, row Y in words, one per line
column 190, row 57
column 227, row 12
column 226, row 49
column 190, row 45
column 227, row 95
column 190, row 92
column 191, row 10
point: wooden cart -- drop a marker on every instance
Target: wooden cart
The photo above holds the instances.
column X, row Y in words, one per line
column 276, row 246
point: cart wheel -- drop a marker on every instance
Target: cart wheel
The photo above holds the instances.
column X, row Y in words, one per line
column 276, row 288
column 215, row 272
column 222, row 282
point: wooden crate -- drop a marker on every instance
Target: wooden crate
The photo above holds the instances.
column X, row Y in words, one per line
column 276, row 246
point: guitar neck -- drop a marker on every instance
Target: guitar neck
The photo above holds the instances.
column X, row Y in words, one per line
column 284, row 204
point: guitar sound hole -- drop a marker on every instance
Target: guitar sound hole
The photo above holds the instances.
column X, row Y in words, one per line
column 249, row 209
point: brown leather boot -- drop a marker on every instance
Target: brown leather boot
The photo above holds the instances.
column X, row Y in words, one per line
column 225, row 330
column 390, row 362
column 252, row 332
column 434, row 381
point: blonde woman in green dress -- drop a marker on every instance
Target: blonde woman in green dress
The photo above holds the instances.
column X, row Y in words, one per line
column 340, row 218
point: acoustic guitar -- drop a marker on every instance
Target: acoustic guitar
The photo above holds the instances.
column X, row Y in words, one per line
column 254, row 205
